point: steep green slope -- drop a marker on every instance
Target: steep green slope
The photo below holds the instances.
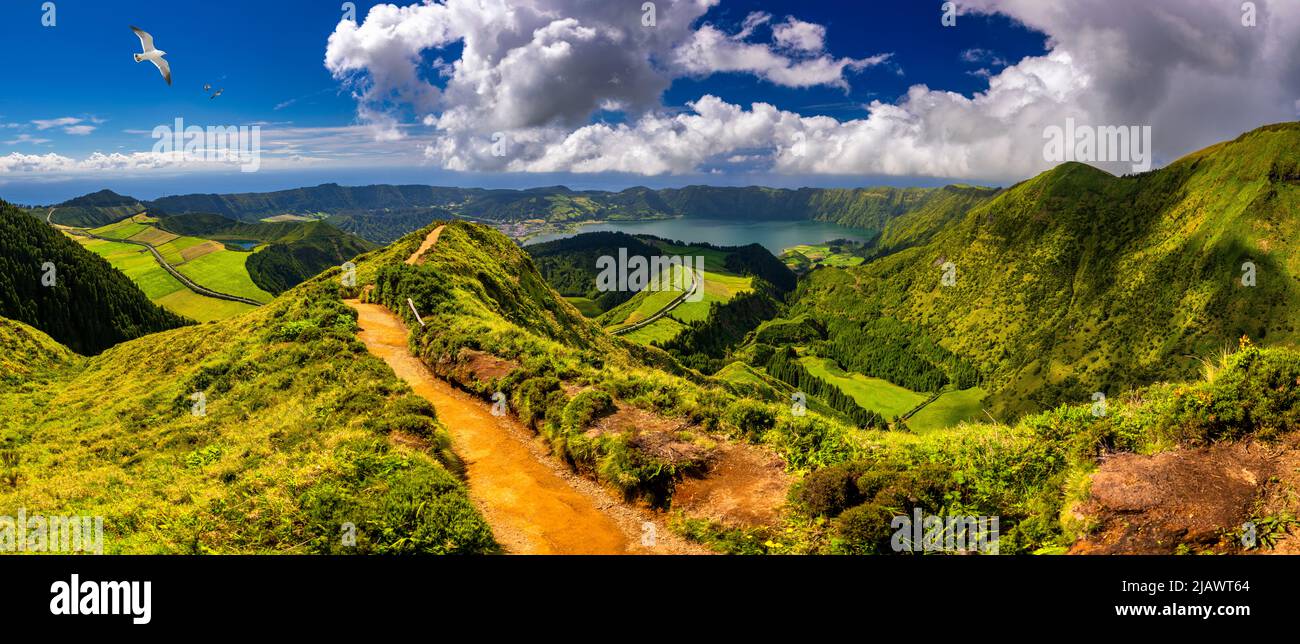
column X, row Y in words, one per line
column 299, row 434
column 919, row 222
column 1077, row 282
column 89, row 306
column 95, row 209
column 281, row 266
column 29, row 353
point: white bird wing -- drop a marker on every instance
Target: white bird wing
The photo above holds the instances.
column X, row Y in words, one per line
column 146, row 41
column 164, row 68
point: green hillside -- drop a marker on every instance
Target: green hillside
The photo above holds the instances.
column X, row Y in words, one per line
column 1077, row 281
column 387, row 225
column 301, row 431
column 29, row 354
column 88, row 306
column 570, row 265
column 922, row 220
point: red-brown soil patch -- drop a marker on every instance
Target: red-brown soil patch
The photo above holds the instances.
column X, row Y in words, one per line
column 745, row 486
column 1193, row 497
column 472, row 365
column 661, row 438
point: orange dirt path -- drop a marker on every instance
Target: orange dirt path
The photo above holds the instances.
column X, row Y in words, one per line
column 425, row 245
column 530, row 508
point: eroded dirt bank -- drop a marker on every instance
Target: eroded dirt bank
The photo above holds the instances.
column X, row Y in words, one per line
column 532, row 505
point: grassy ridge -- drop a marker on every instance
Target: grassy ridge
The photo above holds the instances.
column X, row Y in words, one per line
column 297, row 437
column 1077, row 281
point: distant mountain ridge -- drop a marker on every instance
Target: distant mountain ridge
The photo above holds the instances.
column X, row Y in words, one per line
column 383, row 213
column 861, row 207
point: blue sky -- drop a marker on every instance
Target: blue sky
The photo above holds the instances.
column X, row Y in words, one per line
column 361, row 121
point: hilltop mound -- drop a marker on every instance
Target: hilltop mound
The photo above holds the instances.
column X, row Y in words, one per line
column 96, row 209
column 28, row 351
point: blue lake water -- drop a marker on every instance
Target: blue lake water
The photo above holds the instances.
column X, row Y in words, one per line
column 776, row 236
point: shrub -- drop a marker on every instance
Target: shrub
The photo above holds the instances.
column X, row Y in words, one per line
column 831, row 490
column 749, row 418
column 864, row 529
column 585, row 408
column 531, row 398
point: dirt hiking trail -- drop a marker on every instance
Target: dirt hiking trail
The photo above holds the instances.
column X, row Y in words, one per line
column 530, row 509
column 428, row 243
column 533, row 503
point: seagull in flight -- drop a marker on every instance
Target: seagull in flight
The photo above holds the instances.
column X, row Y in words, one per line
column 151, row 54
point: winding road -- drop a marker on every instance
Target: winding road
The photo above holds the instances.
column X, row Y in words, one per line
column 696, row 283
column 187, row 282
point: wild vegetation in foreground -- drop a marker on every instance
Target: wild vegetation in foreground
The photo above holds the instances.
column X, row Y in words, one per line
column 299, row 433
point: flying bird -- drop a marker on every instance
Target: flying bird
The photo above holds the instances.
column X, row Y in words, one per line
column 207, row 87
column 218, row 93
column 151, row 54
